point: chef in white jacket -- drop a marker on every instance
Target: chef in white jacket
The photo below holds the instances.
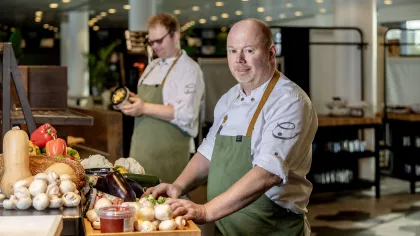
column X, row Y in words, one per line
column 167, row 104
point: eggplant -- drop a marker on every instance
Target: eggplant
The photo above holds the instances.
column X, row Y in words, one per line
column 138, row 189
column 119, row 187
column 100, row 183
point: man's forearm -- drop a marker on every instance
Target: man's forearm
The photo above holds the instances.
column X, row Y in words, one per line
column 163, row 112
column 194, row 174
column 245, row 191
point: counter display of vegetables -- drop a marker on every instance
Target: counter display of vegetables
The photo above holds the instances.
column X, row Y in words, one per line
column 144, row 180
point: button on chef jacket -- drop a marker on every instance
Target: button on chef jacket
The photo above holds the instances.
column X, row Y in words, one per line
column 183, row 89
column 281, row 142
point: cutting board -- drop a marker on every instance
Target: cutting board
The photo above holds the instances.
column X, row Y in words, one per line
column 31, row 225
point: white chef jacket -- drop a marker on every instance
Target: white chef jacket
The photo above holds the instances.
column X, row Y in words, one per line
column 281, row 142
column 183, row 89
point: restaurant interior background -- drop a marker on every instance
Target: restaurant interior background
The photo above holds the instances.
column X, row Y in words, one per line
column 359, row 61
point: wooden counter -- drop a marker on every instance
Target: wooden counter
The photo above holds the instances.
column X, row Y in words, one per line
column 190, row 230
column 412, row 117
column 54, row 117
column 324, row 121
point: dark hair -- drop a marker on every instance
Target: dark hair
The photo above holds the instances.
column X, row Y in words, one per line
column 166, row 20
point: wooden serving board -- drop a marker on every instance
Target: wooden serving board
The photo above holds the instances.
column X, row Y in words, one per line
column 190, row 230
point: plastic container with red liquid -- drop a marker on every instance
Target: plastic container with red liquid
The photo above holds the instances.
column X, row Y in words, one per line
column 117, row 219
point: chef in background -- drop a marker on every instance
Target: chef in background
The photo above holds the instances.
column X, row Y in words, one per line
column 167, row 104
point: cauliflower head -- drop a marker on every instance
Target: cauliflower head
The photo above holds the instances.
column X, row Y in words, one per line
column 96, row 161
column 131, row 165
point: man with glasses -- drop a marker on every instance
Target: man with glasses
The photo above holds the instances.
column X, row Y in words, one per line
column 167, row 105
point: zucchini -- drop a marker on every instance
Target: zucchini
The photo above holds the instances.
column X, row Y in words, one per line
column 144, row 180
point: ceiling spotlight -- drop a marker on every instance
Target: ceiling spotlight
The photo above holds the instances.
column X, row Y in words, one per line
column 51, row 27
column 319, row 1
column 268, row 18
column 91, row 23
column 195, row 8
column 238, row 13
column 322, row 10
column 55, row 29
column 289, row 5
column 127, row 7
column 388, row 2
column 96, row 28
column 260, row 9
column 223, row 29
column 66, row 1
column 12, row 29
column 177, row 12
column 244, row 0
column 37, row 19
column 103, row 13
column 38, row 13
column 213, row 18
column 46, row 26
column 298, row 13
column 219, row 4
column 282, row 16
column 225, row 15
column 112, row 11
column 99, row 17
column 202, row 21
column 53, row 5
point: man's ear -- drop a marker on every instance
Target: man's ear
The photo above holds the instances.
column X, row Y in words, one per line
column 273, row 52
column 177, row 36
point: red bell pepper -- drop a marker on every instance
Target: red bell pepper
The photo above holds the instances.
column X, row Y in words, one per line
column 43, row 134
column 56, row 147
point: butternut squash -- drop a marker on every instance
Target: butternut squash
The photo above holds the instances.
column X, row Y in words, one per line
column 16, row 159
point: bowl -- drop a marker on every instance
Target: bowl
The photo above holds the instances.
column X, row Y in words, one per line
column 119, row 97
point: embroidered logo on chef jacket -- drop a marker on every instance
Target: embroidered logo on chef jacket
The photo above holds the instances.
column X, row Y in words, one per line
column 189, row 88
column 285, row 131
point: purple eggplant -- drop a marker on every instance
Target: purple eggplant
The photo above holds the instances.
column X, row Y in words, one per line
column 119, row 187
column 138, row 189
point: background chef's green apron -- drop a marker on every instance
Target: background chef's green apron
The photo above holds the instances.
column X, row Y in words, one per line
column 230, row 161
column 159, row 146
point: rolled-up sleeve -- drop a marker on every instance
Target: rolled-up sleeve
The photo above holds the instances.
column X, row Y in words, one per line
column 186, row 97
column 284, row 136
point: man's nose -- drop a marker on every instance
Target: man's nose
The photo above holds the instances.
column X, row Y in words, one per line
column 240, row 57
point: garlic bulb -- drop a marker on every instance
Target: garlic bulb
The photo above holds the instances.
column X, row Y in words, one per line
column 38, row 186
column 101, row 203
column 65, row 177
column 10, row 203
column 41, row 201
column 53, row 189
column 167, row 225
column 42, row 176
column 22, row 183
column 24, row 203
column 147, row 226
column 163, row 212
column 22, row 192
column 146, row 213
column 2, row 197
column 67, row 186
column 53, row 178
column 96, row 224
column 92, row 215
column 71, row 199
column 55, row 201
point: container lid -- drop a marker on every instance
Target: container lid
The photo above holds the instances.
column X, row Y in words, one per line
column 116, row 212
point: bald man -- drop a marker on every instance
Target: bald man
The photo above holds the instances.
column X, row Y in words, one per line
column 258, row 151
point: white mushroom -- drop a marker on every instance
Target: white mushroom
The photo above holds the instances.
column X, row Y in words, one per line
column 24, row 203
column 65, row 177
column 67, row 186
column 96, row 224
column 22, row 192
column 38, row 186
column 53, row 189
column 10, row 203
column 167, row 225
column 137, row 225
column 42, row 176
column 147, row 204
column 55, row 201
column 92, row 215
column 180, row 222
column 146, row 213
column 101, row 203
column 41, row 201
column 71, row 199
column 22, row 183
column 2, row 197
column 53, row 178
column 147, row 226
column 163, row 212
column 156, row 223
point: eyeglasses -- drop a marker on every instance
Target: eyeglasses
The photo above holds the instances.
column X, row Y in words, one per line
column 158, row 41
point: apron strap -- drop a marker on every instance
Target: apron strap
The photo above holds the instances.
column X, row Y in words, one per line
column 264, row 99
column 167, row 73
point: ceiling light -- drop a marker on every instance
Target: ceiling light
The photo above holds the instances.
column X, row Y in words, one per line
column 55, row 29
column 260, row 9
column 45, row 26
column 282, row 16
column 289, row 5
column 91, row 23
column 96, row 28
column 298, row 13
column 322, row 10
column 12, row 29
column 53, row 5
column 268, row 18
column 99, row 17
column 195, row 8
column 38, row 13
column 388, row 2
column 219, row 4
column 223, row 29
column 244, row 0
column 51, row 27
column 103, row 13
column 112, row 11
column 319, row 1
column 213, row 18
column 66, row 1
column 238, row 13
column 202, row 21
column 94, row 19
column 177, row 12
column 127, row 7
column 37, row 19
column 225, row 15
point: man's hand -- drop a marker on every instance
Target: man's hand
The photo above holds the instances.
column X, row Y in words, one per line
column 188, row 210
column 169, row 190
column 136, row 108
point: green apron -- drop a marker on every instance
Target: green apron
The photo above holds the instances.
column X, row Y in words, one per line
column 230, row 161
column 159, row 146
